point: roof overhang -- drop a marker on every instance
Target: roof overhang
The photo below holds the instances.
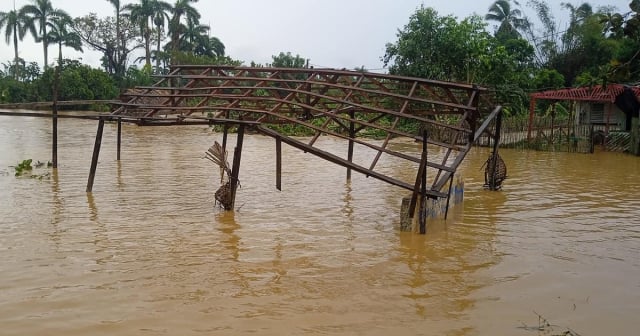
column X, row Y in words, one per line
column 597, row 94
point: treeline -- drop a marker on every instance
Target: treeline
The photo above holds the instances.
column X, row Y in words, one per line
column 597, row 46
column 167, row 33
column 502, row 50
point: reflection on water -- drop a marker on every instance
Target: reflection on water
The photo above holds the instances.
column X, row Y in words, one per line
column 148, row 253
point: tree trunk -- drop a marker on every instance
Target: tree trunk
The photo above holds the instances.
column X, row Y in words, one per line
column 147, row 47
column 45, row 45
column 119, row 46
column 16, row 70
column 158, row 49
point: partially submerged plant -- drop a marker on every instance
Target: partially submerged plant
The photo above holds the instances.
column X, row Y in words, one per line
column 23, row 167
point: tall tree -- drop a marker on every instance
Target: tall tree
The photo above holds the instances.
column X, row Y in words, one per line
column 117, row 6
column 15, row 25
column 510, row 20
column 100, row 34
column 546, row 40
column 146, row 14
column 63, row 36
column 41, row 12
column 439, row 47
column 161, row 11
column 182, row 8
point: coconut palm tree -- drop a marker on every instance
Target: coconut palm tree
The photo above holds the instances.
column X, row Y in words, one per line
column 15, row 25
column 41, row 12
column 510, row 20
column 181, row 8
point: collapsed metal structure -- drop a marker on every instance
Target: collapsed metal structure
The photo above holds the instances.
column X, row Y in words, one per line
column 324, row 102
column 443, row 117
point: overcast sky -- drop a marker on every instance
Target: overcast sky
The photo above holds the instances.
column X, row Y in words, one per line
column 332, row 33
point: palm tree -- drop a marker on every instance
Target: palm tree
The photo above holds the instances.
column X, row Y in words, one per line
column 14, row 25
column 613, row 24
column 145, row 14
column 216, row 46
column 119, row 47
column 191, row 34
column 510, row 20
column 195, row 39
column 181, row 8
column 160, row 16
column 42, row 13
column 61, row 35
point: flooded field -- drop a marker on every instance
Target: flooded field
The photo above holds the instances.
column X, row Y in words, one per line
column 148, row 253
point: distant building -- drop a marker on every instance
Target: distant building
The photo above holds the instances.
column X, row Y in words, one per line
column 596, row 111
column 612, row 106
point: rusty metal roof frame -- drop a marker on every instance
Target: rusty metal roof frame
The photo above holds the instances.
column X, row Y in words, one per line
column 298, row 96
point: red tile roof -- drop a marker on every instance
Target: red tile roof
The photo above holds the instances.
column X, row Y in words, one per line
column 593, row 94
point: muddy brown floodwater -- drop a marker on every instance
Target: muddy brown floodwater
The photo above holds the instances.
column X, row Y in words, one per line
column 148, row 253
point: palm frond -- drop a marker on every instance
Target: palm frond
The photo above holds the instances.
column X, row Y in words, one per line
column 218, row 155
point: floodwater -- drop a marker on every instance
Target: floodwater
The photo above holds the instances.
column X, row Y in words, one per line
column 148, row 253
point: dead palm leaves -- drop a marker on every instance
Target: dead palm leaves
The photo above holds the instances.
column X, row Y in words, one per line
column 218, row 155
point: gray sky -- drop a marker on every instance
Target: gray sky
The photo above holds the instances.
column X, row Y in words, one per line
column 332, row 33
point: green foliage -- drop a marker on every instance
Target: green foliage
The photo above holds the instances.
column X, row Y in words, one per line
column 137, row 77
column 77, row 82
column 510, row 20
column 287, row 60
column 23, row 167
column 547, row 79
column 439, row 47
column 190, row 58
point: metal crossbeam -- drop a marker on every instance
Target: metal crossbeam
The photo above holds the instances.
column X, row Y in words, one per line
column 336, row 103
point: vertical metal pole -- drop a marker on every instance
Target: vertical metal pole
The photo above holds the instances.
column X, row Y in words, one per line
column 423, row 188
column 225, row 132
column 119, row 137
column 54, row 140
column 235, row 169
column 592, row 147
column 96, row 154
column 494, row 156
column 278, row 164
column 532, row 109
column 352, row 135
column 225, row 135
column 553, row 120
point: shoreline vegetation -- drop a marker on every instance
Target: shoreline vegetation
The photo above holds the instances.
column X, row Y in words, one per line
column 599, row 45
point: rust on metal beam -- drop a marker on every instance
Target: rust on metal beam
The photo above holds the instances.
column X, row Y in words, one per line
column 340, row 161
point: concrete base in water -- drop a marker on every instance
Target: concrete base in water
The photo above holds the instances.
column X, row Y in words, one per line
column 435, row 208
